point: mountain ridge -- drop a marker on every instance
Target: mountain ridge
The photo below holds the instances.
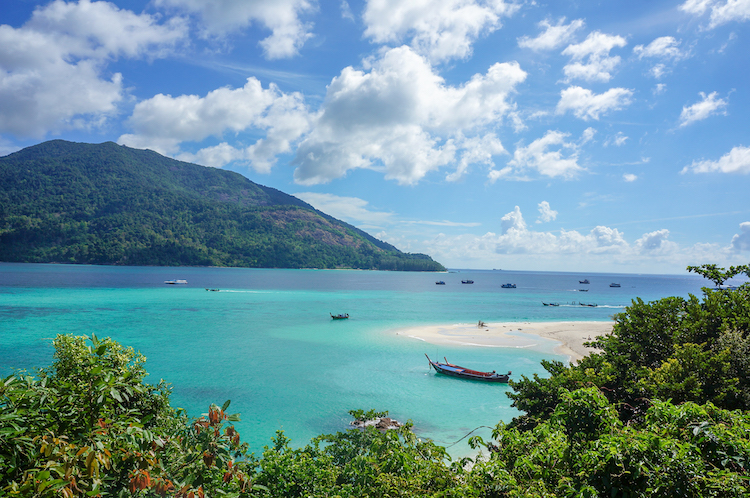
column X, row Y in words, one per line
column 105, row 203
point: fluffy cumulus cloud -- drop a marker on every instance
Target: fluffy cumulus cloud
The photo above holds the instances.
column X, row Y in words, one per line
column 708, row 106
column 282, row 17
column 552, row 36
column 546, row 213
column 722, row 11
column 585, row 104
column 736, row 160
column 741, row 241
column 52, row 69
column 400, row 117
column 655, row 242
column 163, row 123
column 440, row 30
column 546, row 156
column 590, row 59
column 629, row 177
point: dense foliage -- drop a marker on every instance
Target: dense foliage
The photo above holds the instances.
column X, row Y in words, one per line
column 661, row 411
column 108, row 204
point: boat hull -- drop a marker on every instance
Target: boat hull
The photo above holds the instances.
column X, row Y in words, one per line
column 466, row 373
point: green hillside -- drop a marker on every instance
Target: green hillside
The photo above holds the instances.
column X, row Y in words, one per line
column 67, row 202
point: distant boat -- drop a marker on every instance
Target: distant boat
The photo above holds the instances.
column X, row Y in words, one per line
column 589, row 305
column 583, row 290
column 466, row 373
column 467, row 281
column 550, row 304
column 439, row 282
column 174, row 282
column 508, row 286
column 340, row 316
column 614, row 285
column 584, row 281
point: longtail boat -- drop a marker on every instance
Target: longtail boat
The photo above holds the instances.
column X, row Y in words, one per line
column 340, row 316
column 467, row 373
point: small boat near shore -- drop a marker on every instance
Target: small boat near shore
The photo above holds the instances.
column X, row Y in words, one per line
column 340, row 316
column 467, row 281
column 591, row 305
column 466, row 373
column 508, row 286
column 550, row 304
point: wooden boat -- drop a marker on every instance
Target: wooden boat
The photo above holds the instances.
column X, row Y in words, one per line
column 508, row 286
column 550, row 304
column 466, row 373
column 592, row 305
column 584, row 281
column 439, row 282
column 467, row 281
column 340, row 316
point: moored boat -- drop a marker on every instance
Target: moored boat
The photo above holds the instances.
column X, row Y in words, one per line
column 439, row 282
column 467, row 281
column 467, row 373
column 614, row 285
column 175, row 282
column 584, row 281
column 508, row 286
column 340, row 316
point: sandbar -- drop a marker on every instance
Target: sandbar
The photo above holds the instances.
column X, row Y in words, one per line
column 570, row 335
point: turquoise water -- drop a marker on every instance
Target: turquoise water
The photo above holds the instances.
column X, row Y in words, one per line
column 266, row 340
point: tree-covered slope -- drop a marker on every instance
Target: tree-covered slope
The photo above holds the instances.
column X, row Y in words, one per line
column 109, row 204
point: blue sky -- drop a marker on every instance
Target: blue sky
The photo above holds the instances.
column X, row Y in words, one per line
column 569, row 135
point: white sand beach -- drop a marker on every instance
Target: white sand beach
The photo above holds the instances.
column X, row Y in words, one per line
column 570, row 335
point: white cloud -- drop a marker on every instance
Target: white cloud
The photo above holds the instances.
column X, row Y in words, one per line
column 736, row 160
column 588, row 135
column 655, row 242
column 401, row 118
column 548, row 162
column 350, row 209
column 618, row 140
column 163, row 122
column 51, row 69
column 665, row 47
column 629, row 177
column 553, row 36
column 346, row 11
column 660, row 88
column 587, row 105
column 546, row 213
column 741, row 241
column 438, row 29
column 590, row 59
column 722, row 12
column 281, row 17
column 476, row 150
column 710, row 105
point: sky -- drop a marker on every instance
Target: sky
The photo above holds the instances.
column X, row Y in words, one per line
column 583, row 136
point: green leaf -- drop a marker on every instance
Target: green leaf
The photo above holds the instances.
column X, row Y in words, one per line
column 225, row 405
column 115, row 394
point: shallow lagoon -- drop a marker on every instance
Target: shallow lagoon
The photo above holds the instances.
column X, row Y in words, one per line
column 267, row 342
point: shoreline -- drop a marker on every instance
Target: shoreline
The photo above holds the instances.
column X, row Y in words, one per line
column 570, row 335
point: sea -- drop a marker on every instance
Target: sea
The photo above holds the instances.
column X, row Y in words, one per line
column 264, row 338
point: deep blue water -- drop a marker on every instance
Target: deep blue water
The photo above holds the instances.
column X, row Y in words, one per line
column 266, row 341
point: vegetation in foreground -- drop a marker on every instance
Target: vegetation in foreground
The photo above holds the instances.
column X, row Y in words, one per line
column 661, row 411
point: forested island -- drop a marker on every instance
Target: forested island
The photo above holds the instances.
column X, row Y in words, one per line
column 65, row 202
column 660, row 411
